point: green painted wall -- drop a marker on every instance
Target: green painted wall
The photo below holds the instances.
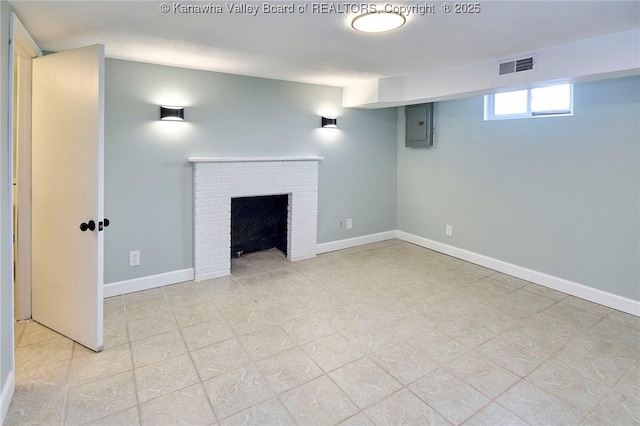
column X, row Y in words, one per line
column 559, row 195
column 149, row 184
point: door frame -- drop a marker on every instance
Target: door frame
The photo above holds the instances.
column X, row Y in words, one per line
column 25, row 49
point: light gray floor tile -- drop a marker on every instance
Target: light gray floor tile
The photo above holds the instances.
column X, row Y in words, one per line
column 616, row 410
column 549, row 293
column 449, row 396
column 36, row 333
column 541, row 343
column 151, row 325
column 404, row 362
column 219, row 358
column 536, row 406
column 598, row 360
column 483, row 374
column 403, row 408
column 531, row 300
column 157, row 348
column 270, row 412
column 569, row 386
column 511, row 356
column 237, row 390
column 127, row 417
column 572, row 315
column 364, row 382
column 145, row 306
column 358, row 420
column 318, row 402
column 630, row 384
column 339, row 335
column 196, row 314
column 188, row 406
column 158, row 379
column 624, row 318
column 100, row 365
column 266, row 342
column 307, row 328
column 43, row 404
column 588, row 306
column 288, row 369
column 493, row 415
column 206, row 333
column 92, row 401
column 332, row 352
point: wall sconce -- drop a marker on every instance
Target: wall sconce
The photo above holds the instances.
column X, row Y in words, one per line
column 329, row 122
column 171, row 113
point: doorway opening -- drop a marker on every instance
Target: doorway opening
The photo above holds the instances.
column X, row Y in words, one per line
column 24, row 50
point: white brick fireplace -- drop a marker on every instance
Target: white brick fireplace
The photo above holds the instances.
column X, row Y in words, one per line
column 219, row 179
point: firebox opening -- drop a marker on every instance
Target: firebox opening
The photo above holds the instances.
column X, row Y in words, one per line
column 259, row 223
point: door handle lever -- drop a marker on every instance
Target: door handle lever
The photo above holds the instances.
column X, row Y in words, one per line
column 91, row 225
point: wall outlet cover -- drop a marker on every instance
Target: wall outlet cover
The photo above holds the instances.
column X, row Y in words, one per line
column 134, row 258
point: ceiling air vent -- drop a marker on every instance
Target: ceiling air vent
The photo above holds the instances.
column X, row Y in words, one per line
column 518, row 65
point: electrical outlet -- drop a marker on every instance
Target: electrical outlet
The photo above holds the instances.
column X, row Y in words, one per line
column 349, row 223
column 449, row 230
column 134, row 258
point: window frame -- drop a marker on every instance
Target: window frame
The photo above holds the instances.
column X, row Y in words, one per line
column 489, row 106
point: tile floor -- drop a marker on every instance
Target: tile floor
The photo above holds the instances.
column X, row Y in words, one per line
column 388, row 333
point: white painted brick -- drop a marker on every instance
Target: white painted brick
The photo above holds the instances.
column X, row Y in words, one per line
column 201, row 233
column 240, row 171
column 204, row 166
column 207, row 210
column 219, row 182
column 201, row 219
column 201, row 187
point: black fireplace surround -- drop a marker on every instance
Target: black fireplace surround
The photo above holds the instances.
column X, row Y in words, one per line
column 259, row 223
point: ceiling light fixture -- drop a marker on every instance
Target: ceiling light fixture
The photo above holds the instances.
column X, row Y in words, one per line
column 378, row 22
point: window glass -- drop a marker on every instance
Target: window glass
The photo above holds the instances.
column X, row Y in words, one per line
column 510, row 103
column 541, row 101
column 551, row 98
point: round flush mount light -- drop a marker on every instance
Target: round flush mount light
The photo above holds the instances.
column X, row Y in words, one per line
column 378, row 22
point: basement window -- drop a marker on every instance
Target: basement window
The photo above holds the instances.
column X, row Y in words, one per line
column 539, row 102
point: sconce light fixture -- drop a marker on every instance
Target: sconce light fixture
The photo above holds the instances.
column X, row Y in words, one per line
column 171, row 113
column 329, row 122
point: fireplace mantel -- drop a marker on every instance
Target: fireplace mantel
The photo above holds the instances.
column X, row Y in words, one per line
column 219, row 179
column 251, row 159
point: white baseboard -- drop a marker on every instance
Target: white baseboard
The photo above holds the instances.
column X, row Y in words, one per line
column 5, row 397
column 356, row 241
column 575, row 289
column 145, row 283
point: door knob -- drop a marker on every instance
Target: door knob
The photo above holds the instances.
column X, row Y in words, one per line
column 91, row 225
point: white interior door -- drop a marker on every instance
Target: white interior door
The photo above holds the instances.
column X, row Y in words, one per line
column 67, row 190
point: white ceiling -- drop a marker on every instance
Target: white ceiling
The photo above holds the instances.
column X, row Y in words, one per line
column 318, row 48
